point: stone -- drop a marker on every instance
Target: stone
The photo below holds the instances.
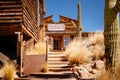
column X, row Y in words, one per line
column 1, row 73
column 100, row 64
column 83, row 72
column 88, row 66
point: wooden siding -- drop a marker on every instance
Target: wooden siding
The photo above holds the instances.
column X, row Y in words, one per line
column 10, row 11
column 70, row 28
column 22, row 14
column 30, row 18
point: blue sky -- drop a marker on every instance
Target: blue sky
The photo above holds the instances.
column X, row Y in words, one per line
column 92, row 12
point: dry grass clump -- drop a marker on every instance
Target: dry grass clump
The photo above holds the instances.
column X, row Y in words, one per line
column 41, row 47
column 81, row 51
column 96, row 45
column 45, row 68
column 9, row 70
column 37, row 49
column 77, row 53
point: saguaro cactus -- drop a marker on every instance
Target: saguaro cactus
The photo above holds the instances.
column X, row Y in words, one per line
column 111, row 34
column 79, row 29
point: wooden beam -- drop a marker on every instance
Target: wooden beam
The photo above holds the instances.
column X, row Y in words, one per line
column 9, row 29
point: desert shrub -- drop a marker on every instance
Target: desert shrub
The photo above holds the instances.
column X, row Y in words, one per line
column 9, row 70
column 45, row 68
column 76, row 54
column 38, row 48
column 96, row 45
column 81, row 51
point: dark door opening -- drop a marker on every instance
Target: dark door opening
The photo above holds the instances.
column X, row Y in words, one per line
column 8, row 45
column 56, row 45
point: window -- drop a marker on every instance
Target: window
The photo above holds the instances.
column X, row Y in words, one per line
column 66, row 41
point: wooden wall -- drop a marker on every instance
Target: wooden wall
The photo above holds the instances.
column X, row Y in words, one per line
column 10, row 16
column 20, row 15
column 10, row 11
column 30, row 18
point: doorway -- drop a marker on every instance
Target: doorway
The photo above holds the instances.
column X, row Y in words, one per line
column 56, row 47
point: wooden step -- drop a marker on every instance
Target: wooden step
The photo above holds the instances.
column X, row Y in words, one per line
column 56, row 53
column 59, row 69
column 58, row 66
column 58, row 62
column 56, row 59
column 53, row 56
column 64, row 74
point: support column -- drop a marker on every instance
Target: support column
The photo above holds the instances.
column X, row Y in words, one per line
column 19, row 51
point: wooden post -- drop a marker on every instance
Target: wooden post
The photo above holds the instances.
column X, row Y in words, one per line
column 46, row 39
column 19, row 51
column 46, row 50
column 38, row 19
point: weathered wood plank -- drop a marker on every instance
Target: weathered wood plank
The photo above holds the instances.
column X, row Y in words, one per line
column 10, row 2
column 10, row 14
column 10, row 10
column 30, row 18
column 10, row 6
column 8, row 18
column 10, row 21
column 20, row 11
column 3, row 58
column 29, row 8
column 26, row 14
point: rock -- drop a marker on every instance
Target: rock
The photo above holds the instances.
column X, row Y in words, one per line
column 88, row 67
column 95, row 71
column 15, row 75
column 100, row 64
column 83, row 72
column 89, row 70
column 1, row 73
column 75, row 69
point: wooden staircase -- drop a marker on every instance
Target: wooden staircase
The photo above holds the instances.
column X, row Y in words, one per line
column 57, row 62
column 58, row 68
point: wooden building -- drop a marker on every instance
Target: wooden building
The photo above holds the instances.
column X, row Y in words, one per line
column 20, row 23
column 60, row 33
